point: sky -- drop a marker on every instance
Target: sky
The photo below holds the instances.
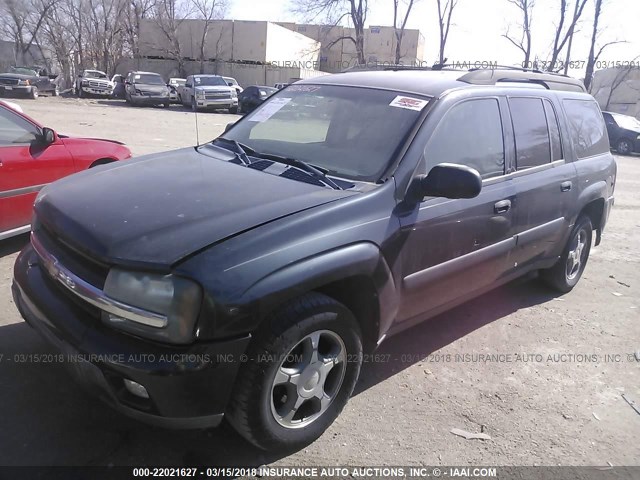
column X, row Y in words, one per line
column 478, row 25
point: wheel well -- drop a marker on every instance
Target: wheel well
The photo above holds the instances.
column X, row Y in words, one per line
column 102, row 161
column 594, row 211
column 359, row 295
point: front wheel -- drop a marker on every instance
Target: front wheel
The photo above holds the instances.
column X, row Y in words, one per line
column 303, row 364
column 194, row 104
column 566, row 273
column 33, row 94
column 624, row 147
column 233, row 110
column 56, row 91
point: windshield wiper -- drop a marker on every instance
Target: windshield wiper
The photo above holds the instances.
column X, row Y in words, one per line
column 242, row 151
column 312, row 170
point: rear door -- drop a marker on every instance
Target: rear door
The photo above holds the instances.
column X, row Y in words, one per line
column 544, row 179
column 25, row 167
column 453, row 248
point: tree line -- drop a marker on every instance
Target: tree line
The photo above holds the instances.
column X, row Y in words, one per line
column 100, row 33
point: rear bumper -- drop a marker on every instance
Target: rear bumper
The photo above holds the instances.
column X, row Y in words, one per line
column 188, row 386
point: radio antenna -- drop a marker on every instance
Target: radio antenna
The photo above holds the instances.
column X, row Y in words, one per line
column 195, row 111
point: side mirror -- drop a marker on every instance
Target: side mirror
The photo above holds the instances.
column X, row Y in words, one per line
column 446, row 180
column 230, row 84
column 47, row 137
column 229, row 127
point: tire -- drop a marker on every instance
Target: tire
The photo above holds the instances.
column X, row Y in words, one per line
column 565, row 274
column 56, row 92
column 80, row 93
column 127, row 98
column 166, row 104
column 624, row 146
column 180, row 100
column 259, row 404
column 233, row 110
column 240, row 110
column 33, row 94
column 194, row 105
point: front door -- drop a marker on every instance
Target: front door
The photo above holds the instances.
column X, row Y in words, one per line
column 452, row 248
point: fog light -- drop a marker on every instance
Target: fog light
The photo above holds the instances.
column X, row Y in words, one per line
column 135, row 388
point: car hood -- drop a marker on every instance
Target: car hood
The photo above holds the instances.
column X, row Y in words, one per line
column 156, row 210
column 99, row 80
column 20, row 76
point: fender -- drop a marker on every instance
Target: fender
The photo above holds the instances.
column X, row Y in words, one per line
column 595, row 191
column 360, row 259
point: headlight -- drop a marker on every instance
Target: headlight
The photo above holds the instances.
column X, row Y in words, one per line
column 165, row 307
column 84, row 83
column 200, row 93
column 234, row 93
column 24, row 82
column 638, row 137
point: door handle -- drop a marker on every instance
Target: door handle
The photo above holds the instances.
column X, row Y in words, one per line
column 502, row 206
column 565, row 186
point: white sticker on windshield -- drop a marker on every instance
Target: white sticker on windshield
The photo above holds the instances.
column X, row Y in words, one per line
column 269, row 109
column 409, row 103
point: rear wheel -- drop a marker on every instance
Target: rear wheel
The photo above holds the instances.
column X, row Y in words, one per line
column 302, row 366
column 624, row 146
column 566, row 273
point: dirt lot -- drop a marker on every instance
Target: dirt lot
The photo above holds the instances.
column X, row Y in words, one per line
column 552, row 397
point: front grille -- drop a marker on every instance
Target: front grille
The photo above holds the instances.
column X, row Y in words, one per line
column 8, row 81
column 217, row 96
column 98, row 85
column 83, row 266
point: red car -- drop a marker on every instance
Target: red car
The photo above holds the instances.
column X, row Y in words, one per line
column 32, row 156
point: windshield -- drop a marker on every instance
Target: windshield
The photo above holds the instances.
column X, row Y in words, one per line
column 148, row 79
column 89, row 74
column 625, row 121
column 266, row 91
column 208, row 81
column 351, row 132
column 24, row 71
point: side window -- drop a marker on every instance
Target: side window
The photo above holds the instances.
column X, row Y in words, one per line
column 15, row 130
column 470, row 134
column 554, row 132
column 533, row 146
column 586, row 127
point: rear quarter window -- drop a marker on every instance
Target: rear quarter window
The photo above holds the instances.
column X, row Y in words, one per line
column 586, row 127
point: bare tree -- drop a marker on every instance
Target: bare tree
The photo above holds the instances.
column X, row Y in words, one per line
column 399, row 24
column 22, row 21
column 169, row 16
column 564, row 30
column 207, row 11
column 335, row 11
column 620, row 78
column 445, row 13
column 135, row 13
column 593, row 55
column 523, row 42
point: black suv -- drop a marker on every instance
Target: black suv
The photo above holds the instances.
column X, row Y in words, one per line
column 624, row 132
column 245, row 278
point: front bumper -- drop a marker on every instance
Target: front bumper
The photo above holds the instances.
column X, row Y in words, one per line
column 18, row 90
column 188, row 386
column 150, row 99
column 97, row 91
column 217, row 103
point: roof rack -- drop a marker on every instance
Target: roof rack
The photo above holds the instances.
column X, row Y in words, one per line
column 551, row 81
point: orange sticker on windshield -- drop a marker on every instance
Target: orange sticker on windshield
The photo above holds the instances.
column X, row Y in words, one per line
column 409, row 103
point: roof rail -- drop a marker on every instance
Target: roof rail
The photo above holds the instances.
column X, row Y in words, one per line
column 551, row 81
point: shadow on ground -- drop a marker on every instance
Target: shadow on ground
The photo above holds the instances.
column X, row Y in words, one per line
column 48, row 420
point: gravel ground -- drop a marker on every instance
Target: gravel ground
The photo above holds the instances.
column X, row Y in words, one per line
column 547, row 391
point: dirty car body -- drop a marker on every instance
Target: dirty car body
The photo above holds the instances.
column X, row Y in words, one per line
column 392, row 219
